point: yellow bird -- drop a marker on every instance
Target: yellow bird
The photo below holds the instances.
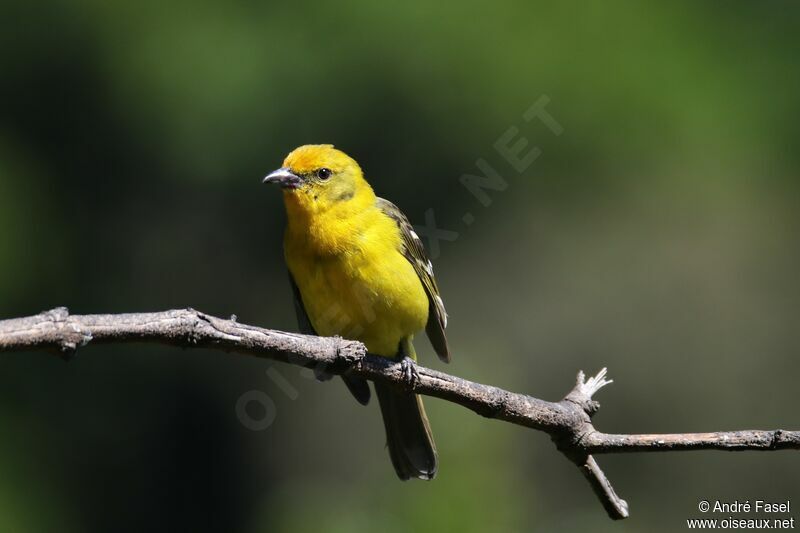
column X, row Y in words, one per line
column 358, row 270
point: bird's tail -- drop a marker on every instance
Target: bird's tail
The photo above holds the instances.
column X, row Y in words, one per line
column 408, row 434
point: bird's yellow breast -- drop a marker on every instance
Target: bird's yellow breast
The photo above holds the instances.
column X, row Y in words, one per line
column 354, row 279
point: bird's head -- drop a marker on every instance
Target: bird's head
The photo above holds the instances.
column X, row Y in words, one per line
column 316, row 177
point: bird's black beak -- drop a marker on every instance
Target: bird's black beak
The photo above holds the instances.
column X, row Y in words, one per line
column 284, row 177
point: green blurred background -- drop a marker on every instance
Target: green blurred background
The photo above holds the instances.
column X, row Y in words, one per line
column 656, row 236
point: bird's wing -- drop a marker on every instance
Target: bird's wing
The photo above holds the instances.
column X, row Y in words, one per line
column 358, row 386
column 415, row 253
column 303, row 322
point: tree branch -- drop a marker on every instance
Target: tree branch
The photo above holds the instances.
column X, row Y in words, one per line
column 568, row 421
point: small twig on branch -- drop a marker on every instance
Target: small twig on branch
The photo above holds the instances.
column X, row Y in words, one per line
column 568, row 422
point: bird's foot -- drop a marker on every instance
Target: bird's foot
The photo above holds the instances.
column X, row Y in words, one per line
column 410, row 374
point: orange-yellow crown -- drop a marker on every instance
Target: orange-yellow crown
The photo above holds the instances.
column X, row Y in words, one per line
column 310, row 157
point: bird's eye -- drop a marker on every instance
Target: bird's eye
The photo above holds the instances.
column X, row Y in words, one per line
column 324, row 173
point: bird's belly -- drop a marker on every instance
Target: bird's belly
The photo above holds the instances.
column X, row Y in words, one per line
column 378, row 302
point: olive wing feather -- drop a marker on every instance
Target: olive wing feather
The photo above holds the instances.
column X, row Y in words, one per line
column 414, row 251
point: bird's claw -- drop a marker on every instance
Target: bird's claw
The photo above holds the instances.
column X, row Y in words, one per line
column 410, row 374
